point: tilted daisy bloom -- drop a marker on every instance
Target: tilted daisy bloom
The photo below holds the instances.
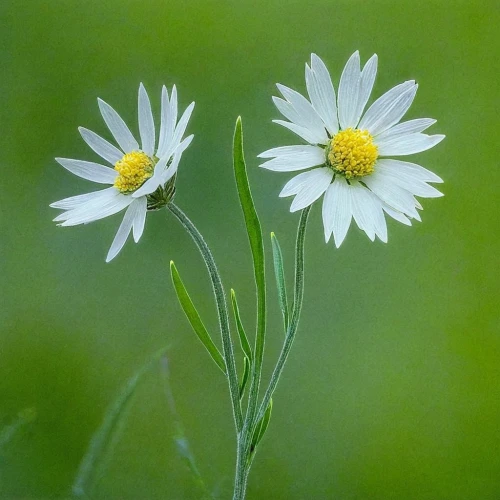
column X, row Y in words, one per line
column 142, row 177
column 346, row 156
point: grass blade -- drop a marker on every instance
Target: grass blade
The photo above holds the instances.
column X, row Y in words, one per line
column 194, row 318
column 245, row 345
column 280, row 279
column 91, row 465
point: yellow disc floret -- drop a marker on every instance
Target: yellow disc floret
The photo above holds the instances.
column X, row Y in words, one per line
column 134, row 169
column 352, row 153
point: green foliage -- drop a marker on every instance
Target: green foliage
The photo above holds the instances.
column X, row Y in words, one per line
column 195, row 319
column 280, row 279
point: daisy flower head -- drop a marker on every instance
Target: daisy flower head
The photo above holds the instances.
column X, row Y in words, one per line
column 346, row 158
column 141, row 177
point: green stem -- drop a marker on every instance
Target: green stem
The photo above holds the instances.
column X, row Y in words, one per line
column 294, row 322
column 220, row 299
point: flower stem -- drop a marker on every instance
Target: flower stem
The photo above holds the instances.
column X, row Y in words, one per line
column 245, row 454
column 294, row 322
column 220, row 299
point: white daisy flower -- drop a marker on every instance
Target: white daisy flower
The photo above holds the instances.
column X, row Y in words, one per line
column 346, row 159
column 142, row 177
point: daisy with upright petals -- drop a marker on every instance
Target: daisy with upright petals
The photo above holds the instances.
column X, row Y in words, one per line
column 346, row 158
column 142, row 176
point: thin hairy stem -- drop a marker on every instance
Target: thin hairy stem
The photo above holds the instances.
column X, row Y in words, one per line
column 297, row 308
column 220, row 299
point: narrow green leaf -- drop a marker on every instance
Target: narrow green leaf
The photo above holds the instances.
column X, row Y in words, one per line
column 280, row 279
column 257, row 247
column 194, row 318
column 245, row 345
column 244, row 378
column 262, row 426
column 93, row 462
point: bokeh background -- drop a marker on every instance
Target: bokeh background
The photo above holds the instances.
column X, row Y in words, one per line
column 392, row 390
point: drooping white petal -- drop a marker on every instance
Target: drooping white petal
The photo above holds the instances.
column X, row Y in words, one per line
column 406, row 180
column 101, row 146
column 146, row 122
column 139, row 218
column 367, row 212
column 395, row 214
column 349, row 92
column 405, row 128
column 291, row 158
column 365, row 86
column 76, row 201
column 165, row 110
column 123, row 231
column 391, row 193
column 183, row 122
column 91, row 212
column 409, row 144
column 306, row 134
column 388, row 109
column 311, row 186
column 308, row 117
column 89, row 170
column 118, row 127
column 322, row 93
column 336, row 211
column 412, row 169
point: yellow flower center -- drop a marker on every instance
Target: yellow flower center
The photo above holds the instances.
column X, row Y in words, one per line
column 134, row 169
column 352, row 153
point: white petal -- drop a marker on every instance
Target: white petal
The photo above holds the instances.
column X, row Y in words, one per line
column 101, row 146
column 337, row 210
column 291, row 151
column 76, row 201
column 409, row 144
column 392, row 194
column 183, row 122
column 405, row 128
column 89, row 170
column 322, row 94
column 395, row 214
column 291, row 158
column 139, row 218
column 313, row 184
column 367, row 212
column 172, row 115
column 123, row 231
column 163, row 140
column 146, row 122
column 406, row 180
column 387, row 110
column 118, row 127
column 92, row 212
column 349, row 92
column 365, row 86
column 303, row 132
column 416, row 171
column 307, row 115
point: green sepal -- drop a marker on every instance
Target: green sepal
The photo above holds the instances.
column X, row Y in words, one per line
column 194, row 318
column 261, row 427
column 280, row 279
column 244, row 378
column 245, row 345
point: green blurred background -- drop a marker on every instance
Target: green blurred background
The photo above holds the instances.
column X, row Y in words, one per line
column 392, row 390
